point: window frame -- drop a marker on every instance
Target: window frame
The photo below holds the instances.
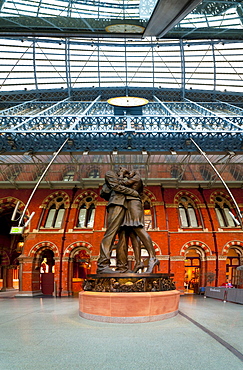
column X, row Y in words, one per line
column 88, row 216
column 191, row 214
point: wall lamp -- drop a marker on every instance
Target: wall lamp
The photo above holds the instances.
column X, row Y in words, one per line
column 115, row 151
column 11, row 142
column 144, row 152
column 86, row 152
column 29, row 152
column 172, row 151
column 70, row 142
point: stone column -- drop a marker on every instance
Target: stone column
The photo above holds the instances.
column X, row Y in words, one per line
column 211, row 268
column 178, row 269
column 65, row 277
column 9, row 278
column 222, row 269
column 57, row 276
column 163, row 263
column 93, row 261
column 30, row 279
column 4, row 279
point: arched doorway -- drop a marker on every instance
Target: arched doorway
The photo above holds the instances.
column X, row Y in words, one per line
column 81, row 267
column 233, row 260
column 47, row 270
column 192, row 279
column 10, row 249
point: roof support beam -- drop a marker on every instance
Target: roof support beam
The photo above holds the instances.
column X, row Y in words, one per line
column 17, row 108
column 47, row 110
column 84, row 112
column 231, row 125
column 124, row 141
column 167, row 14
column 183, row 125
column 183, row 69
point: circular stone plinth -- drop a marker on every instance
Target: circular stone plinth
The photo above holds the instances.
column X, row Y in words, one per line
column 128, row 307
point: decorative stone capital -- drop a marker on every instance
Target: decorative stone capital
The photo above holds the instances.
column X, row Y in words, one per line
column 163, row 258
column 94, row 258
column 210, row 258
column 177, row 258
column 157, row 203
column 222, row 258
column 25, row 259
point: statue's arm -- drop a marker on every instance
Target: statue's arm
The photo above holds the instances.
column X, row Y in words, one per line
column 130, row 182
column 113, row 184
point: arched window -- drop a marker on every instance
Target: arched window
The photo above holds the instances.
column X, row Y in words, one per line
column 225, row 216
column 68, row 176
column 94, row 173
column 86, row 213
column 232, row 262
column 148, row 219
column 176, row 172
column 206, row 173
column 14, row 173
column 55, row 213
column 187, row 213
column 39, row 172
column 236, row 172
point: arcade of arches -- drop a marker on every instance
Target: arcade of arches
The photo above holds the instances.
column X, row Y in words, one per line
column 60, row 246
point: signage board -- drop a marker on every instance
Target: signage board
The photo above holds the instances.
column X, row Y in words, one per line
column 17, row 230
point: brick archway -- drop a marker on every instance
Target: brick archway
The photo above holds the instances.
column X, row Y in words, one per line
column 233, row 244
column 220, row 194
column 5, row 260
column 148, row 195
column 196, row 244
column 10, row 202
column 54, row 195
column 75, row 246
column 82, row 196
column 155, row 245
column 187, row 194
column 38, row 249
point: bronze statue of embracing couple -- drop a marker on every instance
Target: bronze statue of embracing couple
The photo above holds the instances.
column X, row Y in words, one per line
column 126, row 218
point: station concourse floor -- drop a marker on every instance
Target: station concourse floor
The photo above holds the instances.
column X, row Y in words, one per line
column 48, row 333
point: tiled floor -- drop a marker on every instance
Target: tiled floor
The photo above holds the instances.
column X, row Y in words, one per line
column 47, row 333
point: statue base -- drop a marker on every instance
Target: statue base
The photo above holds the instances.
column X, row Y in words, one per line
column 126, row 308
column 128, row 297
column 128, row 282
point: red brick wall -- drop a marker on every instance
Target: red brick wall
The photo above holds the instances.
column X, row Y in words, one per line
column 168, row 235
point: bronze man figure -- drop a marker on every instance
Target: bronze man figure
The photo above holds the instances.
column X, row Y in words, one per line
column 125, row 215
column 133, row 223
column 116, row 209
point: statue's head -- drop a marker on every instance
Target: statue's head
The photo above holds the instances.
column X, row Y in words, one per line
column 122, row 172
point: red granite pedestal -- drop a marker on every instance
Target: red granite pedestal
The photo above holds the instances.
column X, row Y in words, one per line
column 128, row 307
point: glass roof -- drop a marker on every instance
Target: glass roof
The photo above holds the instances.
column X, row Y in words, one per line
column 89, row 170
column 87, row 16
column 103, row 46
column 221, row 19
column 35, row 64
column 212, row 19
